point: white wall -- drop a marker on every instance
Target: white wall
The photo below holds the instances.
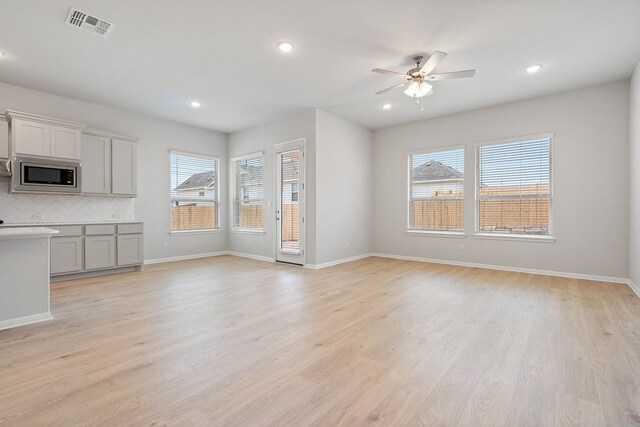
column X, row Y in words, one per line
column 157, row 138
column 634, row 179
column 263, row 138
column 344, row 189
column 591, row 182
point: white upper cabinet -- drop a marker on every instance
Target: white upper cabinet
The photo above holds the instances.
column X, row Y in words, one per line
column 124, row 169
column 65, row 143
column 33, row 135
column 96, row 164
column 4, row 139
column 109, row 164
column 30, row 138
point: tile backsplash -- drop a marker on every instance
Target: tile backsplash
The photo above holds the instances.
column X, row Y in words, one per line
column 30, row 208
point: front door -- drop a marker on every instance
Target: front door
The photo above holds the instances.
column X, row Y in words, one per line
column 290, row 203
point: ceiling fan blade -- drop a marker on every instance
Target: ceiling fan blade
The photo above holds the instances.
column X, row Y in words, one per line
column 432, row 62
column 393, row 73
column 452, row 75
column 393, row 87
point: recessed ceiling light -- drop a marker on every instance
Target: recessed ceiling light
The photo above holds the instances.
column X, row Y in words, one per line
column 195, row 104
column 386, row 106
column 285, row 46
column 534, row 68
column 1, row 53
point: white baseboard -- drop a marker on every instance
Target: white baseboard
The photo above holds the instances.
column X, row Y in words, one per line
column 184, row 258
column 635, row 288
column 336, row 262
column 251, row 256
column 505, row 268
column 25, row 320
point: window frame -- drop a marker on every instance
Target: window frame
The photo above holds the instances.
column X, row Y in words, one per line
column 217, row 160
column 550, row 237
column 425, row 232
column 233, row 187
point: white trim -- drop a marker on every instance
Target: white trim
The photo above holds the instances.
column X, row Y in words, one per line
column 506, row 268
column 21, row 115
column 108, row 134
column 434, row 233
column 462, row 147
column 293, row 143
column 184, row 257
column 258, row 231
column 635, row 288
column 336, row 262
column 25, row 320
column 247, row 156
column 203, row 231
column 252, row 256
column 519, row 237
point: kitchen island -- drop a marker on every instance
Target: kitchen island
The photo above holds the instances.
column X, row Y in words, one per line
column 24, row 275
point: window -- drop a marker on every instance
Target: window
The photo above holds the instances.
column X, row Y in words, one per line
column 248, row 192
column 436, row 191
column 295, row 192
column 194, row 192
column 514, row 187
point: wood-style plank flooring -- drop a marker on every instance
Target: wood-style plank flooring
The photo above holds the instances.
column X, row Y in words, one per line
column 230, row 341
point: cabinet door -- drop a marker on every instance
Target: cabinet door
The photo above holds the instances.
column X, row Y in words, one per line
column 99, row 252
column 65, row 143
column 4, row 139
column 30, row 138
column 66, row 254
column 96, row 164
column 130, row 249
column 124, row 168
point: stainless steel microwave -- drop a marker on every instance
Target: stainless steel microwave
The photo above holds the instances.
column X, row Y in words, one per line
column 36, row 175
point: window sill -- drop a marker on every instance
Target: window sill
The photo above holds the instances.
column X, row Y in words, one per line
column 247, row 231
column 208, row 231
column 517, row 237
column 456, row 234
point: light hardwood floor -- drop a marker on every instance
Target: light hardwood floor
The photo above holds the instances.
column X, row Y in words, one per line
column 230, row 341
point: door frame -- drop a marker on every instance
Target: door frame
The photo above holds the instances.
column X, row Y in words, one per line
column 300, row 144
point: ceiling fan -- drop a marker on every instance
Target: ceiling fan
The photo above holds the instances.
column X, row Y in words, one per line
column 418, row 77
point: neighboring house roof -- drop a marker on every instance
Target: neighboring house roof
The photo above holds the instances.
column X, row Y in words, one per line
column 253, row 173
column 433, row 170
column 202, row 180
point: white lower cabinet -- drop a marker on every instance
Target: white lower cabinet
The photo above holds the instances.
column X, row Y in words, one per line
column 99, row 252
column 93, row 247
column 66, row 255
column 130, row 249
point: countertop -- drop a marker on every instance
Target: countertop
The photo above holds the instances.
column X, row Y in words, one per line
column 17, row 233
column 53, row 224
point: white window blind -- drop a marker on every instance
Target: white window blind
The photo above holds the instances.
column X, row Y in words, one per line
column 194, row 192
column 436, row 190
column 514, row 187
column 248, row 209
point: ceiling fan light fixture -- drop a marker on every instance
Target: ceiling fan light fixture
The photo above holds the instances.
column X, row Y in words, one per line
column 195, row 104
column 418, row 89
column 386, row 106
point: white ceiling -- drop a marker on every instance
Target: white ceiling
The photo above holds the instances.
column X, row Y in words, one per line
column 164, row 53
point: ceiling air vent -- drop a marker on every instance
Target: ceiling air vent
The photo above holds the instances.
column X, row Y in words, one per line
column 89, row 23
